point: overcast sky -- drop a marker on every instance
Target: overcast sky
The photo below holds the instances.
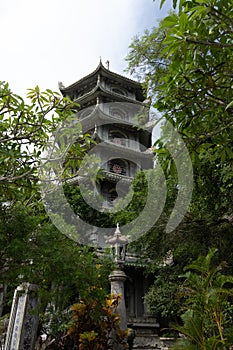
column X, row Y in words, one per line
column 46, row 41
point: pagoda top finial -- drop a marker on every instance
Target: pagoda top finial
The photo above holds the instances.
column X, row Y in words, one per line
column 117, row 232
column 107, row 64
column 118, row 238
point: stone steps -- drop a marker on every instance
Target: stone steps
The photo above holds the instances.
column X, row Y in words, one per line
column 152, row 342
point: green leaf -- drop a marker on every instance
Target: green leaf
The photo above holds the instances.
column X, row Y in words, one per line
column 161, row 3
column 183, row 21
column 229, row 105
column 169, row 21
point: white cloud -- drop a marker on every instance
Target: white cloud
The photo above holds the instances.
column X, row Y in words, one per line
column 49, row 40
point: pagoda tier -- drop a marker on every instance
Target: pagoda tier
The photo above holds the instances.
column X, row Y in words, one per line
column 102, row 79
column 113, row 116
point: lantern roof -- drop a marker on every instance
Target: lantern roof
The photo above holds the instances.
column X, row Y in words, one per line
column 118, row 238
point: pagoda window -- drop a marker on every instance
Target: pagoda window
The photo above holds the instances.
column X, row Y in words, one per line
column 118, row 137
column 112, row 195
column 118, row 166
column 109, row 192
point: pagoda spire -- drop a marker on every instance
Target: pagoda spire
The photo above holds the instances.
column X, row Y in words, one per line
column 107, row 64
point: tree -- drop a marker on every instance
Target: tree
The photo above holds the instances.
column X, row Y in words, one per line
column 186, row 63
column 33, row 250
column 25, row 132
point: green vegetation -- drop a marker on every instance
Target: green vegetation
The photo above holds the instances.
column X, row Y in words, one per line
column 31, row 248
column 207, row 317
column 186, row 64
column 95, row 326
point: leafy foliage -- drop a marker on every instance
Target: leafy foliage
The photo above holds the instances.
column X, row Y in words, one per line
column 61, row 267
column 206, row 291
column 186, row 63
column 31, row 248
column 162, row 296
column 25, row 130
column 95, row 325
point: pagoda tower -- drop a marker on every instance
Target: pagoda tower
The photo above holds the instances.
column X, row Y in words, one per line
column 109, row 105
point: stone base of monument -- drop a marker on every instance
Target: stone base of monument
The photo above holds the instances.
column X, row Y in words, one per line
column 152, row 342
column 166, row 343
column 146, row 335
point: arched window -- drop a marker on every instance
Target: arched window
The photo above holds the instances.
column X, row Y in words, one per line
column 118, row 166
column 122, row 167
column 108, row 191
column 112, row 194
column 118, row 137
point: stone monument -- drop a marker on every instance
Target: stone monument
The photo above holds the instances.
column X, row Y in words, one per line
column 117, row 278
column 23, row 323
column 2, row 292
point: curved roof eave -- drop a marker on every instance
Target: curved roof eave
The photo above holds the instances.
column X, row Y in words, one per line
column 124, row 149
column 123, row 98
column 107, row 72
column 102, row 115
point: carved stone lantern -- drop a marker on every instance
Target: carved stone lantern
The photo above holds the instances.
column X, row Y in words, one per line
column 118, row 244
column 117, row 278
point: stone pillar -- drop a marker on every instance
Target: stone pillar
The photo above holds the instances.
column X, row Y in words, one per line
column 117, row 279
column 23, row 323
column 2, row 295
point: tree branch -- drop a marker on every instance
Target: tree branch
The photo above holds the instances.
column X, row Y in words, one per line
column 223, row 15
column 208, row 43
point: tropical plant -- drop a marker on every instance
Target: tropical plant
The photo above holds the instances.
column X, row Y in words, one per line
column 206, row 292
column 95, row 324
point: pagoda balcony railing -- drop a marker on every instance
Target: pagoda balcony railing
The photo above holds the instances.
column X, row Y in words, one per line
column 123, row 142
column 116, row 177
